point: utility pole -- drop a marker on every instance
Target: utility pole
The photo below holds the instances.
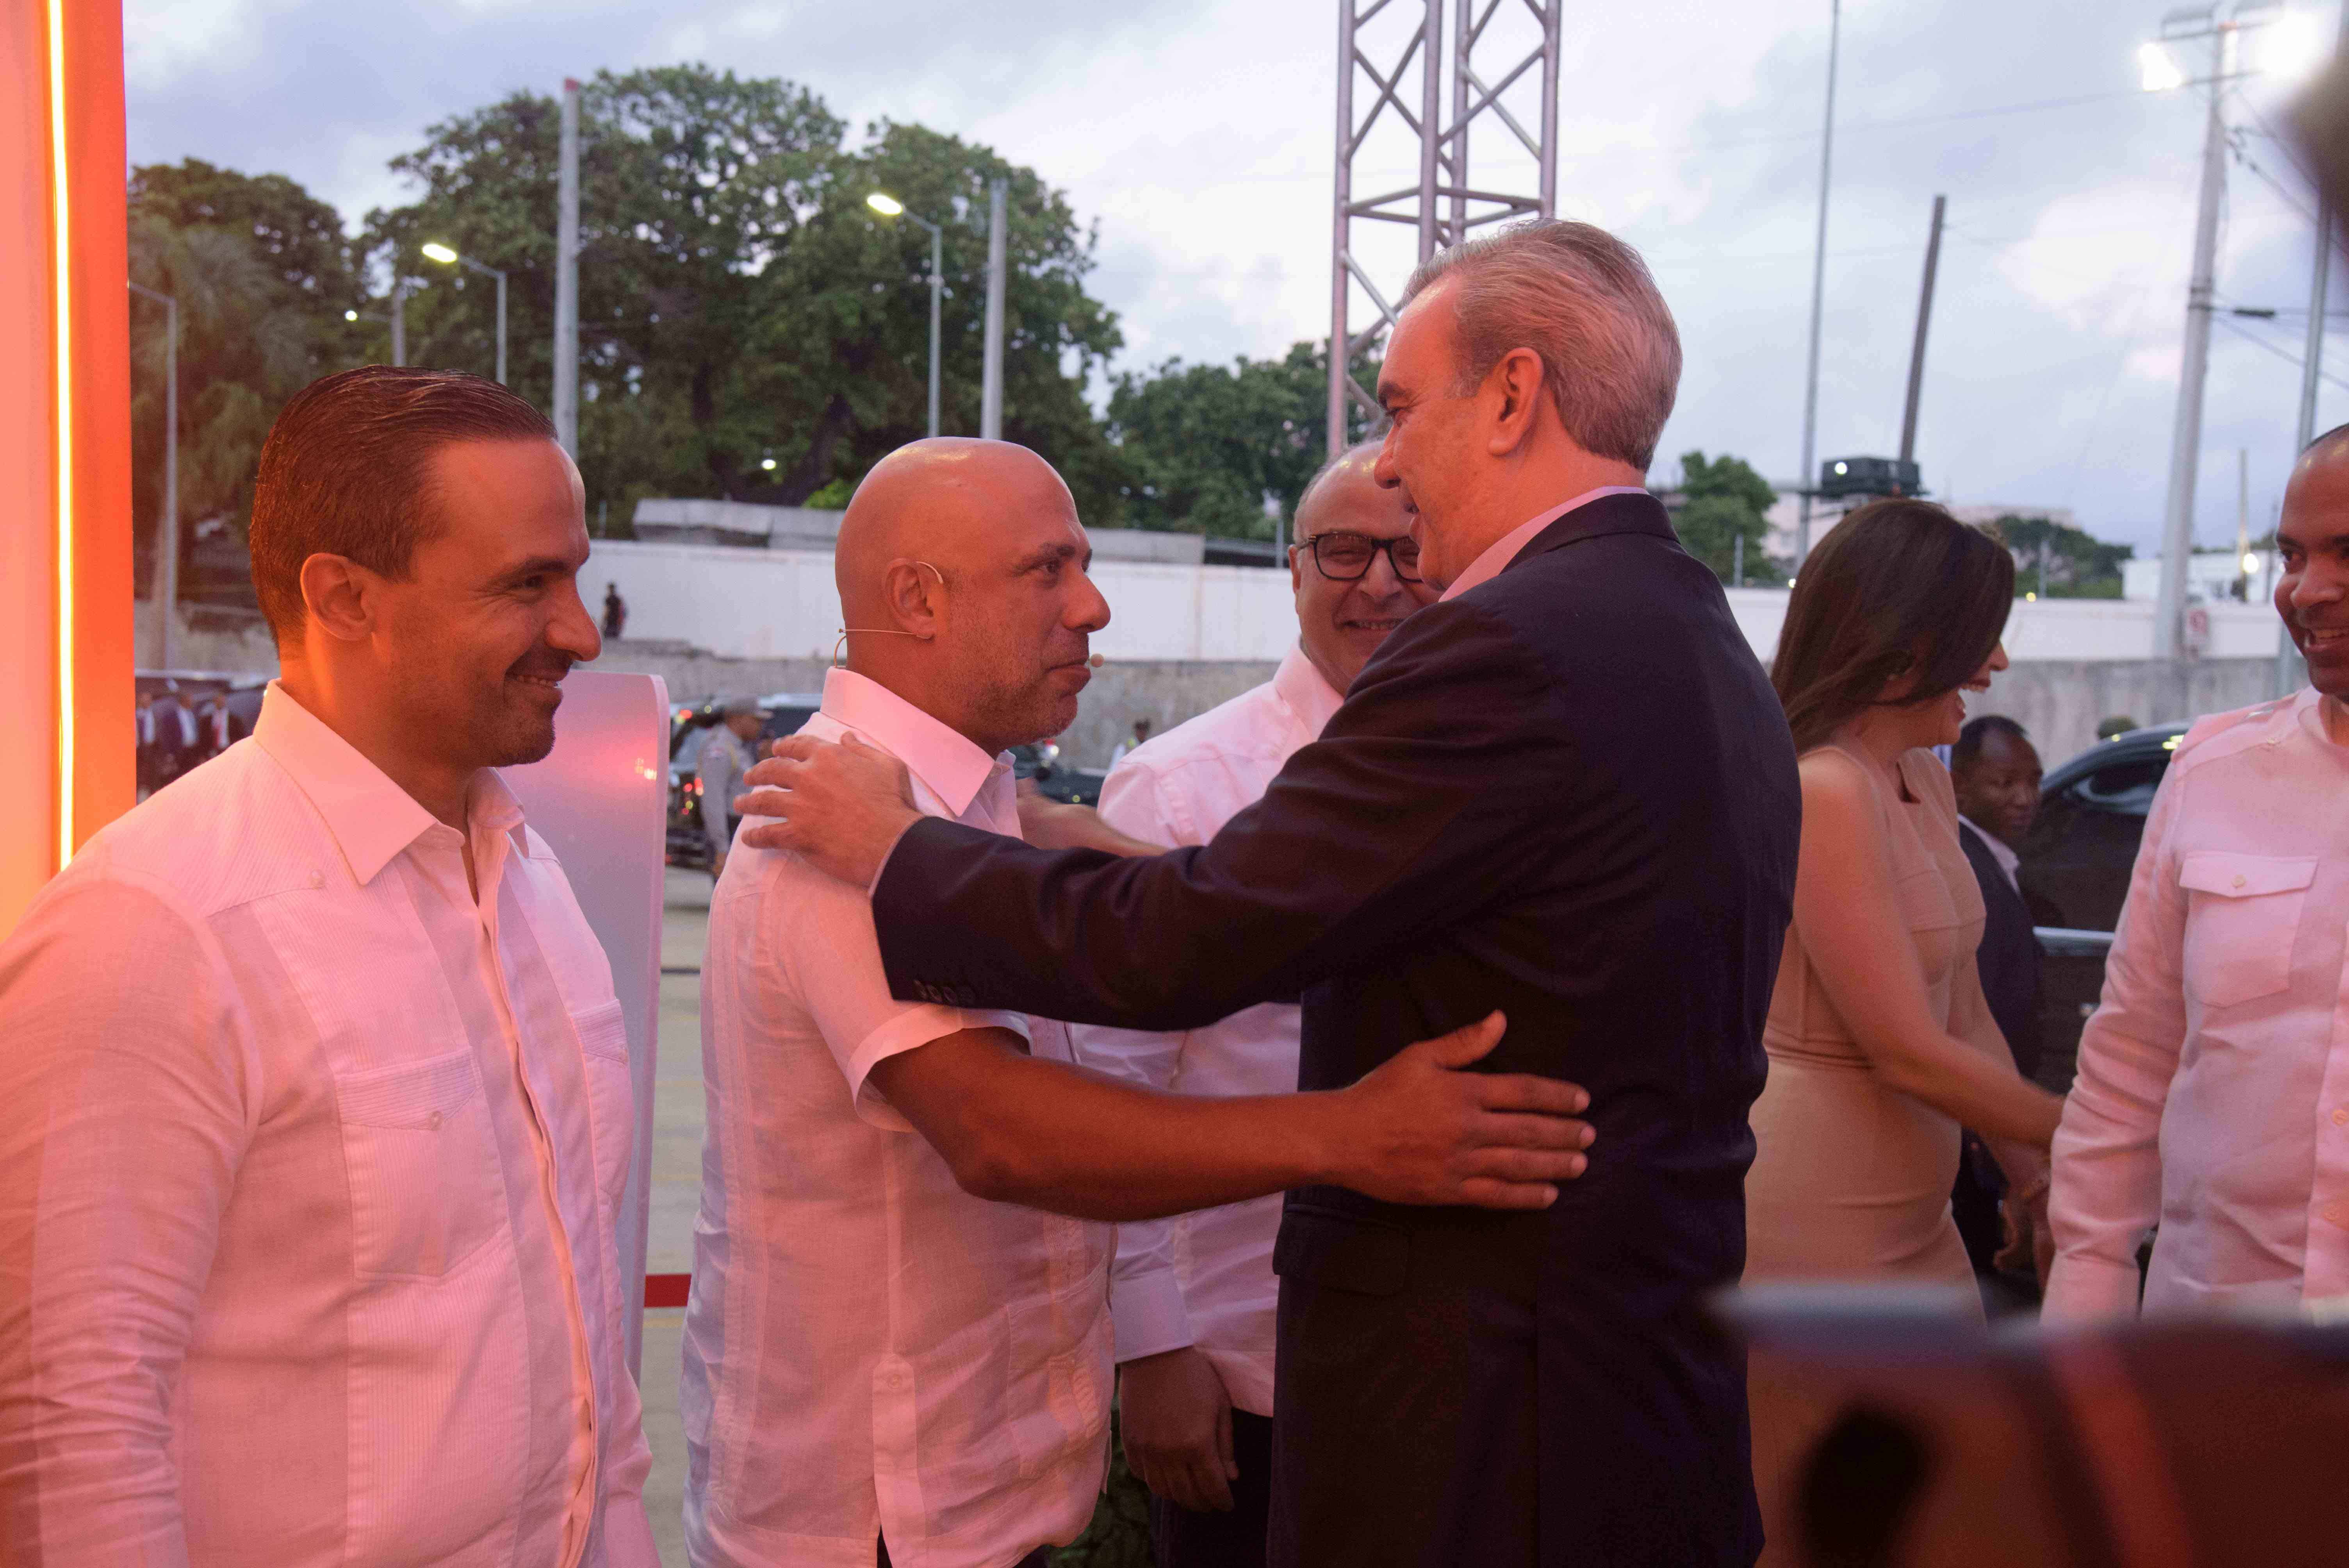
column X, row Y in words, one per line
column 1924, row 318
column 166, row 592
column 2186, row 434
column 938, row 282
column 566, row 277
column 990, row 386
column 398, row 318
column 1818, row 303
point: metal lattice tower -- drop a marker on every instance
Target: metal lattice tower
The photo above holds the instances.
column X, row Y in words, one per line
column 1504, row 73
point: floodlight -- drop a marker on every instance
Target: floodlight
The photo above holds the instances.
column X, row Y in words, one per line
column 767, row 463
column 2156, row 70
column 2250, row 563
column 435, row 251
column 2293, row 46
column 350, row 316
column 888, row 206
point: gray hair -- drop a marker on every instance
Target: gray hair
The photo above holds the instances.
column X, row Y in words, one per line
column 1583, row 301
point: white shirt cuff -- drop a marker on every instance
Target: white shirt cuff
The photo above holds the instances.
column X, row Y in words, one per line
column 1147, row 1314
column 2089, row 1290
column 915, row 1026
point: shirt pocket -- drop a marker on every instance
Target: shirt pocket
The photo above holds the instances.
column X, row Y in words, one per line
column 611, row 1096
column 426, row 1191
column 2242, row 913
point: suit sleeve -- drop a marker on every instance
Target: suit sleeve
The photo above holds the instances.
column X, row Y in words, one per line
column 1400, row 823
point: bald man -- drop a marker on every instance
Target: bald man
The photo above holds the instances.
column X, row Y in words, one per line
column 2213, row 1087
column 1193, row 1298
column 899, row 1337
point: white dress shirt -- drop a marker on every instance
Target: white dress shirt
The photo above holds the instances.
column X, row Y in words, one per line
column 308, row 1164
column 1498, row 554
column 1205, row 1278
column 2008, row 861
column 2213, row 1089
column 871, row 1352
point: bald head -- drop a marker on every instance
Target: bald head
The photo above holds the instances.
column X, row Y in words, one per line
column 961, row 570
column 2312, row 591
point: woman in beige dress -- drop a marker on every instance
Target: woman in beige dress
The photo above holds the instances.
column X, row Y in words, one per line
column 1881, row 1047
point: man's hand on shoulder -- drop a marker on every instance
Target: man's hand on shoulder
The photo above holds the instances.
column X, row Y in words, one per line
column 1421, row 1129
column 841, row 807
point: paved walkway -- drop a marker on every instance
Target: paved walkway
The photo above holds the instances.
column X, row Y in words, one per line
column 678, row 1118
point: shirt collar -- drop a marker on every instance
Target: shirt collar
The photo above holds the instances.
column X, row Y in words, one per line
column 947, row 762
column 2006, row 857
column 1300, row 684
column 371, row 817
column 1504, row 550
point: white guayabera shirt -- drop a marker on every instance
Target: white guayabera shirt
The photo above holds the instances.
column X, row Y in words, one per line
column 1206, row 1279
column 2213, row 1090
column 308, row 1163
column 871, row 1352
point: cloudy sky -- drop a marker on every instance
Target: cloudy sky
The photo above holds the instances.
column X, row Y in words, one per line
column 1199, row 134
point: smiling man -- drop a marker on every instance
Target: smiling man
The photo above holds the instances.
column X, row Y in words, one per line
column 314, row 1107
column 1563, row 790
column 898, row 1344
column 2213, row 1087
column 1193, row 1297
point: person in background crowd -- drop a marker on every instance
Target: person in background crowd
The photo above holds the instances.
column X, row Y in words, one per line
column 175, row 735
column 1566, row 789
column 150, row 754
column 211, row 727
column 314, row 1110
column 1881, row 1044
column 1126, row 748
column 1192, row 1297
column 1994, row 771
column 898, row 1340
column 726, row 756
column 615, row 613
column 2214, row 1088
column 2118, row 724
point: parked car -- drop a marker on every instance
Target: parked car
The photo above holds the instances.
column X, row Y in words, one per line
column 1055, row 781
column 2074, row 874
column 781, row 714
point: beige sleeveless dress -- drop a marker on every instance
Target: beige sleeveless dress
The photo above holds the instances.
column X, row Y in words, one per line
column 1851, row 1180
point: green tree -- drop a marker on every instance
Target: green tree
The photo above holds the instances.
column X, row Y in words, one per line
column 1206, row 445
column 739, row 304
column 1725, row 500
column 2068, row 562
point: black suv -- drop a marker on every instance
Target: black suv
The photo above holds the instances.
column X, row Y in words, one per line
column 2076, row 862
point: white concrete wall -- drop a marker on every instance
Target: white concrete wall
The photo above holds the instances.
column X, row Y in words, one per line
column 780, row 604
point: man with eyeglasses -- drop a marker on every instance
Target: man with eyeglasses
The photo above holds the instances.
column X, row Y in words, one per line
column 1192, row 1297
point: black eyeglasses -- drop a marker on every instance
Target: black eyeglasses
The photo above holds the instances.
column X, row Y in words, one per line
column 1346, row 557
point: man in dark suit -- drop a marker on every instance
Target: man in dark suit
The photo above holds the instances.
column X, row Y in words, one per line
column 1994, row 771
column 1564, row 790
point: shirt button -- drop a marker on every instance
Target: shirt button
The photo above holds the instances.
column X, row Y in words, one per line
column 2340, row 1118
column 317, row 879
column 2239, row 882
column 433, row 1122
column 2337, row 1212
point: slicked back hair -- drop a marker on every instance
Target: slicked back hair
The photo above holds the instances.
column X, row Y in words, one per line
column 1899, row 587
column 1583, row 301
column 347, row 470
column 1978, row 730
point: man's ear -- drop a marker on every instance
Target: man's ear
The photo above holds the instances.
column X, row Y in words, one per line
column 911, row 588
column 340, row 596
column 1517, row 382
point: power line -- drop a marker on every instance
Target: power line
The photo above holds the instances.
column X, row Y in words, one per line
column 2284, row 354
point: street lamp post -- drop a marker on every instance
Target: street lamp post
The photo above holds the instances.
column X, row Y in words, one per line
column 890, row 207
column 437, row 251
column 167, row 537
column 1818, row 300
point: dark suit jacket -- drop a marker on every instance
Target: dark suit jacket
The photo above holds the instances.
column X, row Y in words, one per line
column 2009, row 956
column 1570, row 794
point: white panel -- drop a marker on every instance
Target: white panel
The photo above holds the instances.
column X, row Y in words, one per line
column 601, row 800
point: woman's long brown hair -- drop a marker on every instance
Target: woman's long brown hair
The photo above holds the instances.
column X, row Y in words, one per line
column 1898, row 587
